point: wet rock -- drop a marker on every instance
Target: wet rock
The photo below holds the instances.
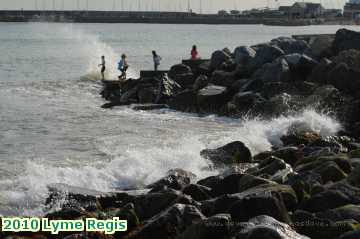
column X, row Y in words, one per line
column 345, row 40
column 290, row 45
column 348, row 212
column 211, row 181
column 355, row 153
column 244, row 54
column 246, row 102
column 350, row 235
column 237, row 183
column 184, row 101
column 176, row 179
column 170, row 223
column 269, row 166
column 350, row 57
column 179, row 69
column 198, row 192
column 147, row 107
column 212, row 98
column 260, row 204
column 298, row 136
column 265, row 227
column 218, row 58
column 290, row 155
column 354, row 177
column 300, row 65
column 185, row 80
column 327, row 97
column 320, row 73
column 67, row 214
column 235, row 152
column 146, row 206
column 215, row 227
column 303, row 183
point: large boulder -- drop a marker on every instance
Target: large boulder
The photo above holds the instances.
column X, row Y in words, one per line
column 300, row 65
column 176, row 179
column 350, row 57
column 201, row 82
column 276, row 71
column 212, row 98
column 244, row 102
column 348, row 212
column 243, row 54
column 321, row 46
column 184, row 101
column 185, row 80
column 223, row 78
column 179, row 69
column 345, row 79
column 346, row 39
column 198, row 192
column 290, row 45
column 320, row 73
column 218, row 58
column 265, row 227
column 235, row 152
column 169, row 223
column 265, row 54
column 354, row 177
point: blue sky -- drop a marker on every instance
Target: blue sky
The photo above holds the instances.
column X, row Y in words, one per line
column 207, row 5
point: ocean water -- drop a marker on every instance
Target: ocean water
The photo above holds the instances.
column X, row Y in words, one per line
column 52, row 129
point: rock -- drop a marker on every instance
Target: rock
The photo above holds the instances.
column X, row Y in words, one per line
column 185, row 80
column 176, row 179
column 237, row 183
column 223, row 203
column 179, row 69
column 345, row 79
column 212, row 98
column 348, row 212
column 297, row 136
column 67, row 214
column 129, row 96
column 246, row 102
column 215, row 227
column 290, row 45
column 260, row 204
column 265, row 227
column 235, row 152
column 354, row 177
column 265, row 54
column 223, row 78
column 269, row 166
column 201, row 82
column 346, row 40
column 290, row 155
column 300, row 65
column 277, row 71
column 184, row 101
column 218, row 58
column 211, row 181
column 127, row 213
column 327, row 97
column 314, row 227
column 170, row 223
column 350, row 57
column 147, row 107
column 244, row 54
column 320, row 73
column 350, row 235
column 147, row 206
column 198, row 192
column 321, row 46
column 355, row 153
column 303, row 183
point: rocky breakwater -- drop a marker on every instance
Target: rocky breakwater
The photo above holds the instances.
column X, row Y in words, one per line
column 279, row 77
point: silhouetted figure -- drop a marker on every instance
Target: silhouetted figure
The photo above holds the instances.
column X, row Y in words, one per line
column 122, row 67
column 194, row 53
column 103, row 68
column 156, row 59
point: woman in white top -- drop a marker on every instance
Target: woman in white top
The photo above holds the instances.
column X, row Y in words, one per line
column 156, row 59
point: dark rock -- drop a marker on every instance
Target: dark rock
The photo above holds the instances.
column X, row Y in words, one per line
column 297, row 136
column 320, row 73
column 235, row 152
column 170, row 223
column 326, row 97
column 149, row 106
column 198, row 192
column 128, row 213
column 246, row 103
column 244, row 54
column 348, row 212
column 67, row 214
column 260, row 204
column 303, row 183
column 215, row 227
column 185, row 80
column 354, row 177
column 265, row 227
column 345, row 79
column 237, row 183
column 346, row 40
column 350, row 57
column 290, row 45
column 179, row 69
column 176, row 179
column 212, row 98
column 290, row 155
column 146, row 206
column 147, row 95
column 218, row 58
column 265, row 54
column 300, row 65
column 269, row 166
column 350, row 235
column 223, row 78
column 211, row 181
column 321, row 46
column 184, row 101
column 201, row 82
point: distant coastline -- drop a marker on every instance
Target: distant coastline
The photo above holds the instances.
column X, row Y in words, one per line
column 159, row 18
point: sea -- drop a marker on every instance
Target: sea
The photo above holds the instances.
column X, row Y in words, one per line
column 53, row 130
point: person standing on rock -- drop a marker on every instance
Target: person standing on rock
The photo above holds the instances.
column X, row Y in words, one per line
column 122, row 67
column 102, row 67
column 194, row 53
column 156, row 59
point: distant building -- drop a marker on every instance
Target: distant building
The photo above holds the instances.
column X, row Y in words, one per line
column 352, row 9
column 235, row 12
column 306, row 10
column 285, row 9
column 223, row 13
